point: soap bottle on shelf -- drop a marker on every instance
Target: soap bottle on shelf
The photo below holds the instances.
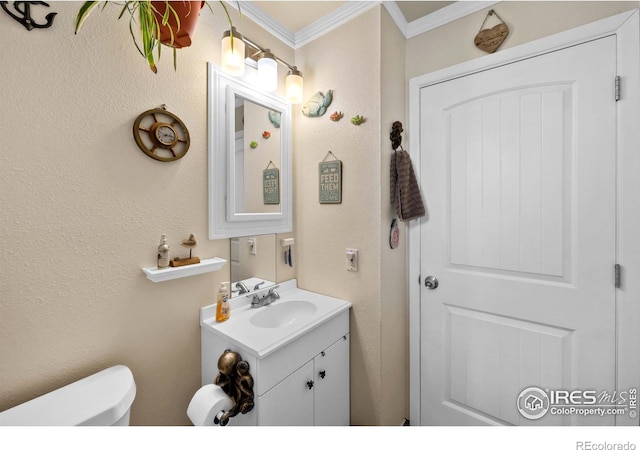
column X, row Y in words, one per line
column 223, row 309
column 163, row 253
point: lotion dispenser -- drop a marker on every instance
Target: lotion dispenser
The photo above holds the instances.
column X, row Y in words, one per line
column 223, row 309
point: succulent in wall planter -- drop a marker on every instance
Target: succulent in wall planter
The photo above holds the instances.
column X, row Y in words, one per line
column 170, row 23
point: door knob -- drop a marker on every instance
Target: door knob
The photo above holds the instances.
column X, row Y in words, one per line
column 431, row 282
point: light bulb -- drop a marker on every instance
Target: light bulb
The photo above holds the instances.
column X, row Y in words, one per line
column 267, row 71
column 232, row 53
column 293, row 90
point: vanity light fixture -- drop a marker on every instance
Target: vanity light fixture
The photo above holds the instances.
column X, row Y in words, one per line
column 233, row 62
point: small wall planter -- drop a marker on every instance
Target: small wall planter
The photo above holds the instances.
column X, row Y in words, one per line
column 188, row 13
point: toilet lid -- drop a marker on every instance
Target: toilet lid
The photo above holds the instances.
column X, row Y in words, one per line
column 99, row 399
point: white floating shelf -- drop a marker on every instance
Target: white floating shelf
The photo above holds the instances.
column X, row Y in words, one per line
column 171, row 273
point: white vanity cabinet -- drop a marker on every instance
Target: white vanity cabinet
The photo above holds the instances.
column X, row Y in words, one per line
column 315, row 394
column 300, row 369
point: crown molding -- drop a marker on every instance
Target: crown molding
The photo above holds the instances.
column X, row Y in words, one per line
column 444, row 16
column 394, row 11
column 253, row 12
column 333, row 20
column 353, row 9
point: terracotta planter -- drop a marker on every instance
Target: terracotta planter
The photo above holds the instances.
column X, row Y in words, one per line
column 189, row 12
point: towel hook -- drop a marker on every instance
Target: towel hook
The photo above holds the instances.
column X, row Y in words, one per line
column 395, row 136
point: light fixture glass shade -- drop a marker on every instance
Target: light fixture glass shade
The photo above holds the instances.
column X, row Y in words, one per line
column 268, row 71
column 232, row 53
column 293, row 86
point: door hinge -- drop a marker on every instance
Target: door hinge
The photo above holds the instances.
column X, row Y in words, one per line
column 419, row 278
column 618, row 275
column 617, row 93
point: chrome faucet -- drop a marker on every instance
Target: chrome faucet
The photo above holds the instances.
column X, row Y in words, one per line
column 267, row 299
column 257, row 286
column 243, row 287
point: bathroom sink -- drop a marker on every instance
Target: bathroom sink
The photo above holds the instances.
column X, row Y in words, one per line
column 278, row 315
column 261, row 331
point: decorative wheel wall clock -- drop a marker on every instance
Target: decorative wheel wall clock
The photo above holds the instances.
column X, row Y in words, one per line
column 161, row 135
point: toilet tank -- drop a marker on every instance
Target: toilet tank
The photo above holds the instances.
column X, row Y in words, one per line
column 103, row 398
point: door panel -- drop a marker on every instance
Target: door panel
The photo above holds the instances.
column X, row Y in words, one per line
column 490, row 354
column 501, row 213
column 518, row 174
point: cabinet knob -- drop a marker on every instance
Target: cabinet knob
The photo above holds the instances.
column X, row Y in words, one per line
column 310, row 384
column 322, row 373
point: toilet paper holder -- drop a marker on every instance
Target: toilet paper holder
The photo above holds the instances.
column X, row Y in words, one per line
column 222, row 418
column 236, row 381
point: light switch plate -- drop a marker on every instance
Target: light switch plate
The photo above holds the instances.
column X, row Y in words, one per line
column 352, row 259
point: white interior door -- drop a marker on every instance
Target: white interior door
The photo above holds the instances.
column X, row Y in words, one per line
column 518, row 172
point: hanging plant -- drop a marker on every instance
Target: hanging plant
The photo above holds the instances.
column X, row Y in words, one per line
column 169, row 23
column 178, row 21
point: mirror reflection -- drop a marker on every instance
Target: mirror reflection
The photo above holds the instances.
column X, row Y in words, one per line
column 253, row 263
column 250, row 162
column 257, row 158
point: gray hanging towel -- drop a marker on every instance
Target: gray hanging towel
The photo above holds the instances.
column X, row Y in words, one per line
column 405, row 192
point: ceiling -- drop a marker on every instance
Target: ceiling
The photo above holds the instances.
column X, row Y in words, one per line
column 298, row 22
column 297, row 15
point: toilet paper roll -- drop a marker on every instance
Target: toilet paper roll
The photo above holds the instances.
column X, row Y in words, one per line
column 206, row 403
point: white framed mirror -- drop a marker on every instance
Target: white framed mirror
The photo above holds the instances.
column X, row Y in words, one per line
column 249, row 149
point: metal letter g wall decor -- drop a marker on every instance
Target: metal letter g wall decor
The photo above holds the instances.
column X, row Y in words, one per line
column 23, row 14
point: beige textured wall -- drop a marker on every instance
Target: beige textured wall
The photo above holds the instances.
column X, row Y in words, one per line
column 83, row 210
column 346, row 60
column 355, row 60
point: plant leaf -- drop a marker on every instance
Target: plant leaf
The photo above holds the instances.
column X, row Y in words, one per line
column 226, row 11
column 83, row 13
column 175, row 15
column 133, row 36
column 147, row 30
column 127, row 7
column 175, row 59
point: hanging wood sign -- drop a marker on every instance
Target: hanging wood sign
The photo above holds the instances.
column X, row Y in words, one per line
column 490, row 39
column 271, row 185
column 330, row 180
